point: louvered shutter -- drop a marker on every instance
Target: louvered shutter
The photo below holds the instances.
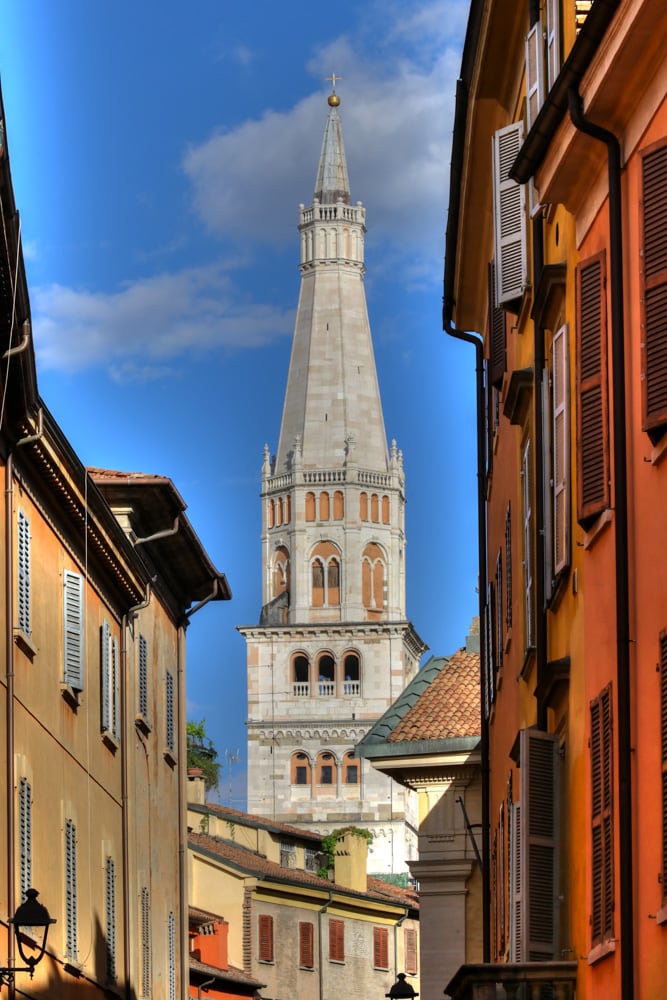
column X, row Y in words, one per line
column 526, row 489
column 171, row 933
column 508, row 567
column 143, row 677
column 663, row 744
column 654, row 300
column 169, row 710
column 497, row 339
column 25, row 837
column 540, row 764
column 410, row 943
column 516, row 895
column 146, row 950
column 71, row 928
column 23, row 573
column 380, row 948
column 110, row 918
column 592, row 404
column 336, row 940
column 561, row 451
column 115, row 673
column 498, row 610
column 553, row 41
column 534, row 72
column 510, row 217
column 306, row 950
column 547, row 483
column 73, row 619
column 105, row 659
column 265, row 937
column 602, row 911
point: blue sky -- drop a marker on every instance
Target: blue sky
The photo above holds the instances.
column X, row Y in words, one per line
column 159, row 154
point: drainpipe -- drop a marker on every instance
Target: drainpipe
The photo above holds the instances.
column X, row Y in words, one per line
column 399, row 923
column 620, row 536
column 475, row 339
column 322, row 910
column 9, row 707
column 202, row 986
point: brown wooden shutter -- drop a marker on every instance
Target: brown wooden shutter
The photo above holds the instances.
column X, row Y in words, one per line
column 602, row 910
column 592, row 404
column 380, row 948
column 654, row 297
column 306, row 945
column 410, row 942
column 265, row 938
column 663, row 742
column 336, row 940
column 497, row 345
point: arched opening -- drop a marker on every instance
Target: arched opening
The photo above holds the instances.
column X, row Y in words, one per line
column 326, row 675
column 300, row 675
column 310, row 506
column 288, row 509
column 339, row 506
column 281, row 572
column 279, row 519
column 272, row 513
column 301, row 770
column 326, row 772
column 373, row 580
column 375, row 513
column 351, row 769
column 317, row 599
column 325, row 570
column 385, row 510
column 363, row 506
column 324, row 506
column 351, row 674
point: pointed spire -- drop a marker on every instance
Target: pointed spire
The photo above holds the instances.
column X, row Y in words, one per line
column 332, row 182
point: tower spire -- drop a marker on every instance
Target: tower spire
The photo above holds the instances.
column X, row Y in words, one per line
column 332, row 182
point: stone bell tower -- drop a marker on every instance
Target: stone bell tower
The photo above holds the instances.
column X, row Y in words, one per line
column 333, row 648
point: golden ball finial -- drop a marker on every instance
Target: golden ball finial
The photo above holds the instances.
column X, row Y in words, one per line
column 333, row 100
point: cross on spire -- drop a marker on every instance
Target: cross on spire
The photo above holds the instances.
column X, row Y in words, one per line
column 333, row 79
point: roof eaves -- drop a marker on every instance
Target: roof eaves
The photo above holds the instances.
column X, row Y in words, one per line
column 418, row 748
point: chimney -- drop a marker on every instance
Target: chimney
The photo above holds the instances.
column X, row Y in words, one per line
column 196, row 786
column 350, row 859
column 211, row 942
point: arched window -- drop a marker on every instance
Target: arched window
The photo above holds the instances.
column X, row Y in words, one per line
column 310, row 506
column 351, row 677
column 326, row 675
column 326, row 770
column 375, row 514
column 272, row 513
column 300, row 675
column 325, row 569
column 288, row 509
column 373, row 575
column 324, row 506
column 385, row 510
column 281, row 571
column 301, row 770
column 339, row 506
column 363, row 506
column 280, row 511
column 351, row 769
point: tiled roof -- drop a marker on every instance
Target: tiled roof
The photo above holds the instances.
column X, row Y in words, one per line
column 449, row 707
column 197, row 917
column 229, row 975
column 248, row 819
column 259, row 865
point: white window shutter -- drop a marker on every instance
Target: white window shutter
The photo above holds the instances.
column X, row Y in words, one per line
column 540, row 767
column 509, row 204
column 553, row 41
column 105, row 657
column 561, row 451
column 73, row 615
column 23, row 573
column 534, row 72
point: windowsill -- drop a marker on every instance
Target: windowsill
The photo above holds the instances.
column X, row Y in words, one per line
column 111, row 741
column 306, row 968
column 71, row 695
column 337, row 961
column 142, row 723
column 591, row 537
column 25, row 643
column 600, row 951
column 659, row 450
column 266, row 961
column 170, row 757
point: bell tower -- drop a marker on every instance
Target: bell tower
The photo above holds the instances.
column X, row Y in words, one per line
column 333, row 648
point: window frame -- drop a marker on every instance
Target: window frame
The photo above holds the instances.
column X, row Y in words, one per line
column 265, row 949
column 381, row 948
column 336, row 940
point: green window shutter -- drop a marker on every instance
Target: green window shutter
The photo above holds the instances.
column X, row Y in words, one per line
column 73, row 620
column 509, row 203
column 592, row 402
column 539, row 858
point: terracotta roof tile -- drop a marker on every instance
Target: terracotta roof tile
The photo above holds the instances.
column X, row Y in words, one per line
column 448, row 708
column 249, row 819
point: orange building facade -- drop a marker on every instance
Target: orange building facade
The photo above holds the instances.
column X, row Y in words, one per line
column 557, row 261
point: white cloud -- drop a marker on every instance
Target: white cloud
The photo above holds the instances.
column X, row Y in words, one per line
column 397, row 103
column 137, row 331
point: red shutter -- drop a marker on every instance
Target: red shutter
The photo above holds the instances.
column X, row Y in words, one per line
column 336, row 940
column 380, row 948
column 306, row 945
column 411, row 951
column 265, row 938
column 592, row 404
column 602, row 915
column 654, row 298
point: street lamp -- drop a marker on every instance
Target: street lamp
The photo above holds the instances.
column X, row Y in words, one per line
column 30, row 918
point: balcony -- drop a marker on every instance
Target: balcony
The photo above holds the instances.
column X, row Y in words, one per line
column 301, row 689
column 517, row 981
